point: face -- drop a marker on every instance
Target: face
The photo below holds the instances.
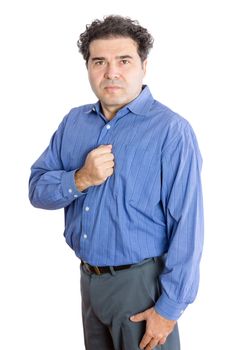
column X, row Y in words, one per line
column 115, row 72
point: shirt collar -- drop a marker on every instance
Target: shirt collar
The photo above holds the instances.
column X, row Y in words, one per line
column 140, row 105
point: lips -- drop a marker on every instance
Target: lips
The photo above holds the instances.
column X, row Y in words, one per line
column 112, row 87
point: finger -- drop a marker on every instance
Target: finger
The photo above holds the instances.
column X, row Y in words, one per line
column 104, row 148
column 102, row 158
column 138, row 317
column 106, row 156
column 152, row 344
column 162, row 341
column 145, row 341
column 109, row 145
column 109, row 164
column 109, row 172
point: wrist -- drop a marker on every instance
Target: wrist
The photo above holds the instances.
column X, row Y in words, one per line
column 81, row 180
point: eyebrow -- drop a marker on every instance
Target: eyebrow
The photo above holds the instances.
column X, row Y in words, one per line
column 118, row 57
column 124, row 56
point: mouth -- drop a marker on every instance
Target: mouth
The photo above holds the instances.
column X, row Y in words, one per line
column 112, row 88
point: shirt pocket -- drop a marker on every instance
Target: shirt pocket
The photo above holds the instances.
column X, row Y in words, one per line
column 138, row 176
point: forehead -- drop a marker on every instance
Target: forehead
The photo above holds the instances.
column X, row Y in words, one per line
column 113, row 46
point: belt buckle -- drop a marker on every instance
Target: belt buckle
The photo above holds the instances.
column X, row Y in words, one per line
column 97, row 271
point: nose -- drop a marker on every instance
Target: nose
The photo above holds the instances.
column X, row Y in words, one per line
column 111, row 72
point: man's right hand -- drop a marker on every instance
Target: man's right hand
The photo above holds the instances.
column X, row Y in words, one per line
column 97, row 168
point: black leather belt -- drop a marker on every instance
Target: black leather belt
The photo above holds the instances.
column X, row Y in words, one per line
column 98, row 270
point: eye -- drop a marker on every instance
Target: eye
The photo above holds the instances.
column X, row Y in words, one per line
column 99, row 63
column 125, row 61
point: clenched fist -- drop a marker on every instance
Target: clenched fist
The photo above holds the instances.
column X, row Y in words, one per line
column 97, row 168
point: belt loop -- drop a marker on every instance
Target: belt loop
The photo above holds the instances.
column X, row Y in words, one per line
column 97, row 271
column 86, row 267
column 113, row 272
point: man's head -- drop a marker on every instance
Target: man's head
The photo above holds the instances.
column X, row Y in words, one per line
column 113, row 27
column 115, row 51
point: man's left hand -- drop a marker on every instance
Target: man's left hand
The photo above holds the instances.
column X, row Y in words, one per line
column 157, row 328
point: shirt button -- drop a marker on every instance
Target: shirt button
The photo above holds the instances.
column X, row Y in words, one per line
column 75, row 196
column 70, row 190
column 85, row 236
column 87, row 208
column 108, row 126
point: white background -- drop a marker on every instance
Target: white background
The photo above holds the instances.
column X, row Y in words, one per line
column 42, row 76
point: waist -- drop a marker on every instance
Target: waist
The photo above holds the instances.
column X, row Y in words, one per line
column 99, row 270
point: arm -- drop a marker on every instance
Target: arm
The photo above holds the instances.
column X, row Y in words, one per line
column 50, row 186
column 183, row 207
column 182, row 203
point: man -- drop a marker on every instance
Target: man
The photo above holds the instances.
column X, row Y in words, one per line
column 127, row 171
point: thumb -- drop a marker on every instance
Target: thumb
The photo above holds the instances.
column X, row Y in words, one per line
column 138, row 317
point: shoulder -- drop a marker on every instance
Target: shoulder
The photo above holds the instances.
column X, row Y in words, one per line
column 75, row 115
column 178, row 133
column 76, row 112
column 167, row 116
column 171, row 124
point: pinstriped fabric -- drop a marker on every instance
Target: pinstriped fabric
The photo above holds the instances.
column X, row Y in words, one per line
column 150, row 206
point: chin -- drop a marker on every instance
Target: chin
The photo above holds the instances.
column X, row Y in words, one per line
column 115, row 102
column 115, row 99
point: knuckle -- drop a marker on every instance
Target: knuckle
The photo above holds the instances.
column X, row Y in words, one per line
column 94, row 161
column 92, row 153
column 150, row 333
column 149, row 347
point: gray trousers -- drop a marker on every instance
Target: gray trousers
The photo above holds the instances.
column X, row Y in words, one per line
column 108, row 300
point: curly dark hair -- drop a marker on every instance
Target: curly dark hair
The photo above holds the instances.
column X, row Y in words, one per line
column 115, row 26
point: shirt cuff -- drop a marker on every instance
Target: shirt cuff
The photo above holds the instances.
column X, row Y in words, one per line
column 169, row 308
column 69, row 187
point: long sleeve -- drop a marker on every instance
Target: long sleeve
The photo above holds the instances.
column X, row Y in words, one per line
column 50, row 185
column 183, row 208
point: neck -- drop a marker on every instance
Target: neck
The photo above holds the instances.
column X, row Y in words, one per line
column 110, row 111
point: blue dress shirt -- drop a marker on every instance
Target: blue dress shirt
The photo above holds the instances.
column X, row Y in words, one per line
column 150, row 206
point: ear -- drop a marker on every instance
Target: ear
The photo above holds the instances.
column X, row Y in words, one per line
column 144, row 65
